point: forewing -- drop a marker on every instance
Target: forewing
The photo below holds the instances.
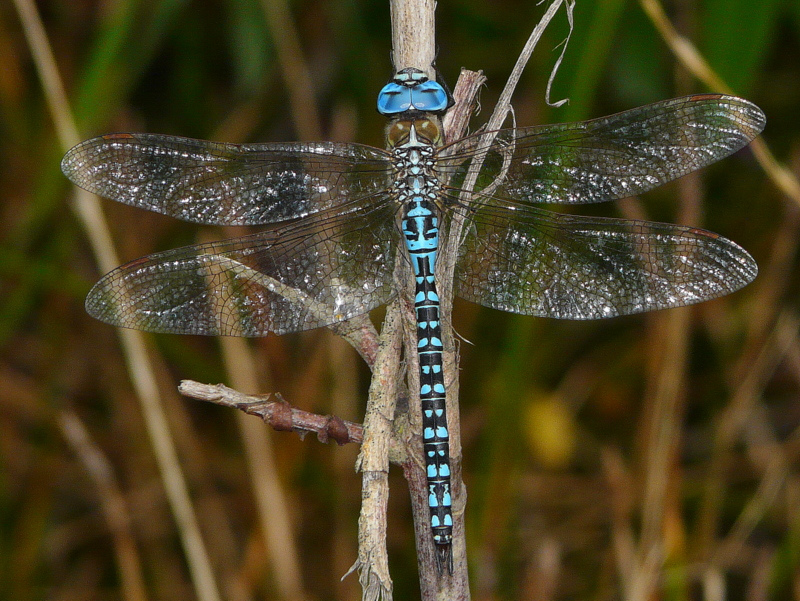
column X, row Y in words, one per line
column 536, row 262
column 608, row 158
column 226, row 184
column 322, row 270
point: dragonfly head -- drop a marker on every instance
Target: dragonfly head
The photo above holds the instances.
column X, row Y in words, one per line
column 414, row 132
column 410, row 93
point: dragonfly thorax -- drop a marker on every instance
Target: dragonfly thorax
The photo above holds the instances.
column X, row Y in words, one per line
column 414, row 132
column 413, row 145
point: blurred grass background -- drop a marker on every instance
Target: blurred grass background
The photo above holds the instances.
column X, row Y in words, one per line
column 587, row 446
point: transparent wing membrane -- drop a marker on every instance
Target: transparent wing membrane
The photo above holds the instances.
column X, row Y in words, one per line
column 319, row 271
column 226, row 184
column 536, row 262
column 608, row 158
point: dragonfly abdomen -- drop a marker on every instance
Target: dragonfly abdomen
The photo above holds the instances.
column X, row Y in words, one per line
column 422, row 239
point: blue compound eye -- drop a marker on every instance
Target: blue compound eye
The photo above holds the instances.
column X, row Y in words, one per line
column 393, row 99
column 412, row 92
column 429, row 96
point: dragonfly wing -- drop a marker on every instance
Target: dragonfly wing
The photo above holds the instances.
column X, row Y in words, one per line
column 226, row 184
column 608, row 158
column 536, row 262
column 321, row 270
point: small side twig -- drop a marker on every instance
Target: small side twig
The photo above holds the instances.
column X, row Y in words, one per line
column 499, row 114
column 465, row 95
column 360, row 332
column 276, row 412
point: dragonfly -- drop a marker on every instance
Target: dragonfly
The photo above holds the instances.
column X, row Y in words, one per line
column 339, row 217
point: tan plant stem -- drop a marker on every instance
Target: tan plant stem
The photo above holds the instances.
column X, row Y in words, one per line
column 138, row 363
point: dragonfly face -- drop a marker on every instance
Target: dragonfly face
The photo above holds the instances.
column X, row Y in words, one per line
column 328, row 251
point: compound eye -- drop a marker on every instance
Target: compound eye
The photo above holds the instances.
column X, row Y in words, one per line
column 394, row 99
column 430, row 96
